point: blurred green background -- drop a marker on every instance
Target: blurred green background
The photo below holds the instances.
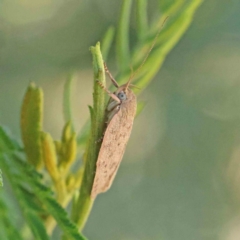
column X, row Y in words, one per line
column 180, row 176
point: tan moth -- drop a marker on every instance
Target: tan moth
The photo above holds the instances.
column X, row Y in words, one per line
column 120, row 113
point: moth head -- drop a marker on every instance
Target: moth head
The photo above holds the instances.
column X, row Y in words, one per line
column 122, row 95
column 124, row 91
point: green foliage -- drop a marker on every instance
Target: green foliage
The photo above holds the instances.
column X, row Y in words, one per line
column 6, row 142
column 35, row 199
column 180, row 16
column 8, row 228
column 43, row 197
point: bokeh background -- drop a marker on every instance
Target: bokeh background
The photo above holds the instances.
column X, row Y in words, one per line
column 180, row 176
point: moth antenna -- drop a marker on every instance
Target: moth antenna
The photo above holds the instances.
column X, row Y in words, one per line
column 134, row 86
column 132, row 72
column 131, row 77
column 146, row 57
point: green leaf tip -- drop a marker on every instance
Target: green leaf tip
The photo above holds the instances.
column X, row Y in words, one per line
column 67, row 132
column 98, row 66
column 67, row 148
column 31, row 124
column 107, row 41
column 49, row 155
column 68, row 153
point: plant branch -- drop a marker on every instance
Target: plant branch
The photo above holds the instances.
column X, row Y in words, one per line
column 82, row 208
column 122, row 46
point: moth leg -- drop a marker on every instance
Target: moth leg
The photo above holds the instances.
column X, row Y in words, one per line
column 112, row 113
column 113, row 96
column 112, row 104
column 99, row 140
column 110, row 76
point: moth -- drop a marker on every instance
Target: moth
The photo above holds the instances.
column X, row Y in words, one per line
column 120, row 113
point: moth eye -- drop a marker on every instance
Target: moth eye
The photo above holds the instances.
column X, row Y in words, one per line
column 122, row 96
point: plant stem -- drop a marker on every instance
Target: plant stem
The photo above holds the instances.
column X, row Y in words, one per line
column 122, row 46
column 142, row 20
column 81, row 209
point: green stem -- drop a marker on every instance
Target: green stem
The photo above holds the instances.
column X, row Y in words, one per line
column 122, row 46
column 142, row 22
column 81, row 209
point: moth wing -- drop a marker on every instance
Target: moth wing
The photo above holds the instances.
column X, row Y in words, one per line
column 111, row 152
